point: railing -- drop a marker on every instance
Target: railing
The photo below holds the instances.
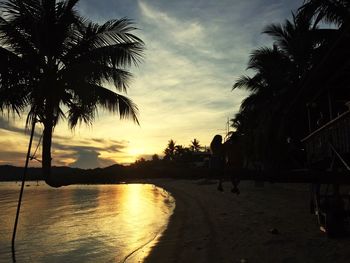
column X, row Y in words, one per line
column 334, row 135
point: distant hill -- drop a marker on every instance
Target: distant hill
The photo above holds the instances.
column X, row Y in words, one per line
column 14, row 173
column 112, row 174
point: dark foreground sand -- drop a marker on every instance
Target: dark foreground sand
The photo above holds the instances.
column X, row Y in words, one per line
column 211, row 226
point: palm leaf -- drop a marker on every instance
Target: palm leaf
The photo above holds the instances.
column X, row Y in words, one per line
column 111, row 42
column 117, row 103
column 83, row 105
column 95, row 73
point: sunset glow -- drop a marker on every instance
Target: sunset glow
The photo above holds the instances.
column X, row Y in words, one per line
column 182, row 88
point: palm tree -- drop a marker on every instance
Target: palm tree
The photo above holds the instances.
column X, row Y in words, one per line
column 195, row 146
column 262, row 117
column 182, row 154
column 170, row 151
column 258, row 112
column 303, row 43
column 55, row 64
column 305, row 60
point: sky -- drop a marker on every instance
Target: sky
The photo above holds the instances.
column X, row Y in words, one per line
column 195, row 50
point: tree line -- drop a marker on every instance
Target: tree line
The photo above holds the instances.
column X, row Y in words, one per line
column 176, row 153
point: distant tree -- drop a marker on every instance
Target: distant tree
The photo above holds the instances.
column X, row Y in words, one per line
column 179, row 150
column 155, row 158
column 195, row 146
column 140, row 162
column 182, row 154
column 169, row 152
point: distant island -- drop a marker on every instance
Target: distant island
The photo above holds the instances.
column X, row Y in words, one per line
column 109, row 175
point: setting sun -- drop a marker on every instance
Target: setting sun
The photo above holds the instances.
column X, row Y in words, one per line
column 136, row 152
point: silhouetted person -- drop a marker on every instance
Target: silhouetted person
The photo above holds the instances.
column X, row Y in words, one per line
column 217, row 161
column 234, row 160
column 225, row 158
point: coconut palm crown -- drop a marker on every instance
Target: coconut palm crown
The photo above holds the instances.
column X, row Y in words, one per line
column 55, row 65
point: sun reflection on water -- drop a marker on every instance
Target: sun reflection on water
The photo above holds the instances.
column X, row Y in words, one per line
column 105, row 223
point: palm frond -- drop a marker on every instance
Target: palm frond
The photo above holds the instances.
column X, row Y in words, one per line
column 334, row 11
column 13, row 99
column 117, row 55
column 81, row 113
column 83, row 106
column 15, row 40
column 115, row 102
column 110, row 43
column 263, row 58
column 95, row 73
column 14, row 88
column 249, row 83
column 114, row 31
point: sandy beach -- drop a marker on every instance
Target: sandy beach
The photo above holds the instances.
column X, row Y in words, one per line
column 212, row 226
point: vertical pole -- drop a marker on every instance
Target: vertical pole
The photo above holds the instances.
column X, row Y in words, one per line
column 330, row 105
column 21, row 192
column 308, row 116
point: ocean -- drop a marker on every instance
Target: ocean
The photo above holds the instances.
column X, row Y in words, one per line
column 83, row 223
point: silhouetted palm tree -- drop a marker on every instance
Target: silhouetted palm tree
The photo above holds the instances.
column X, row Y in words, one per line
column 263, row 114
column 258, row 111
column 195, row 146
column 55, row 64
column 169, row 152
column 303, row 44
column 305, row 60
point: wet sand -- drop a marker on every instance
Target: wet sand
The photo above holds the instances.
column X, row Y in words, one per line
column 212, row 226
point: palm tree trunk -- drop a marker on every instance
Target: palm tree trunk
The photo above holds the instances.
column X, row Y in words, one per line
column 46, row 154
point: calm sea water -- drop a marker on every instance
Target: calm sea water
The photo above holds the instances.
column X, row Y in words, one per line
column 97, row 223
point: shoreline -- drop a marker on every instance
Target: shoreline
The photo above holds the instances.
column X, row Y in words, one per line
column 212, row 226
column 208, row 226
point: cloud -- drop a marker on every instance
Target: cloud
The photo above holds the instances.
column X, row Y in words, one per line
column 6, row 124
column 82, row 152
column 101, row 11
column 188, row 74
column 89, row 159
column 174, row 30
column 88, row 153
column 12, row 157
